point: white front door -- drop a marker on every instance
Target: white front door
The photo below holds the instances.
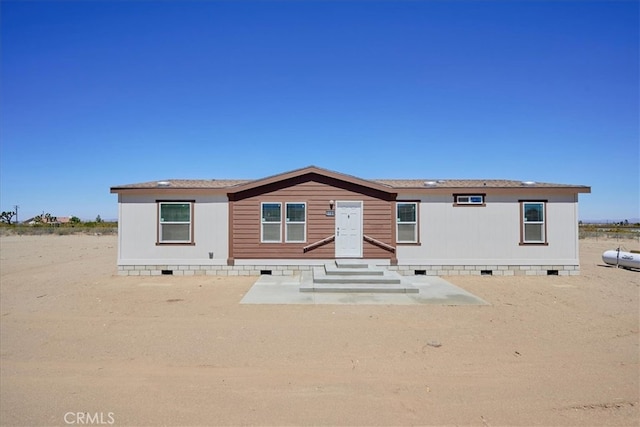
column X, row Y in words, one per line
column 348, row 229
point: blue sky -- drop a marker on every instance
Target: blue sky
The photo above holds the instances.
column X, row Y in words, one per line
column 98, row 94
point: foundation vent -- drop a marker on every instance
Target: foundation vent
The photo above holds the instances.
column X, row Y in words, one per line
column 265, row 272
column 167, row 272
column 486, row 272
column 552, row 272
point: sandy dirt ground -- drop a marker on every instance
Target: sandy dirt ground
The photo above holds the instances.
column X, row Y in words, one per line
column 78, row 339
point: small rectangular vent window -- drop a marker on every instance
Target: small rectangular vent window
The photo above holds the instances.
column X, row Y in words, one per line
column 469, row 199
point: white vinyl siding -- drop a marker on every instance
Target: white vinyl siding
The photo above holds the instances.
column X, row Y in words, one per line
column 407, row 222
column 296, row 222
column 533, row 222
column 492, row 235
column 271, row 219
column 175, row 222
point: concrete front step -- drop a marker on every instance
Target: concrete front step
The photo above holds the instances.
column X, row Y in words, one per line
column 387, row 277
column 397, row 288
column 333, row 269
column 351, row 263
column 354, row 276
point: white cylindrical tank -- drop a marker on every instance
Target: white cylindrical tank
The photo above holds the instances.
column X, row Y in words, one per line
column 621, row 258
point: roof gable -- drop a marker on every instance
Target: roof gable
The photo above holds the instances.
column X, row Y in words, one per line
column 307, row 173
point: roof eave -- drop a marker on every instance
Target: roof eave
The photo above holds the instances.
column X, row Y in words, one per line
column 504, row 189
column 169, row 190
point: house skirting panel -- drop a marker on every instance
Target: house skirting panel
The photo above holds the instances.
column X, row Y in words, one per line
column 492, row 270
column 211, row 270
column 293, row 269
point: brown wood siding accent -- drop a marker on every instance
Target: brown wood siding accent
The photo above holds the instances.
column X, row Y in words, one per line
column 311, row 177
column 315, row 191
column 230, row 259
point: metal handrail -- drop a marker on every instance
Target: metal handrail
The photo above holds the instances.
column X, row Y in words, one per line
column 379, row 243
column 319, row 243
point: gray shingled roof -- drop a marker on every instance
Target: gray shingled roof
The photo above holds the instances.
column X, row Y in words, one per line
column 188, row 183
column 391, row 183
column 399, row 184
column 464, row 183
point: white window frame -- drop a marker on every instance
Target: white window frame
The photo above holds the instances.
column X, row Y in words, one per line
column 523, row 222
column 287, row 222
column 460, row 199
column 263, row 222
column 161, row 222
column 415, row 223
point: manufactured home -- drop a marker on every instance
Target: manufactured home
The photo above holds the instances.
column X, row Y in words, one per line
column 290, row 222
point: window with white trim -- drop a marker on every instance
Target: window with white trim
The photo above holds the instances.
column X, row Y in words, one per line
column 296, row 222
column 407, row 222
column 271, row 222
column 533, row 222
column 175, row 222
column 469, row 199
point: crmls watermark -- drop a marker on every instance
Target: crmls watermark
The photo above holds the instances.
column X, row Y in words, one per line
column 88, row 418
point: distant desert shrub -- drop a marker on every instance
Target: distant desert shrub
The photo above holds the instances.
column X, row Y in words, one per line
column 615, row 231
column 107, row 228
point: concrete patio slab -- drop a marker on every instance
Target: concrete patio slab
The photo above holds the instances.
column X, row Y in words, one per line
column 432, row 290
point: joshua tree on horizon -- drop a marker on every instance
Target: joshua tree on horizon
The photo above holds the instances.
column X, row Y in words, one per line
column 5, row 217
